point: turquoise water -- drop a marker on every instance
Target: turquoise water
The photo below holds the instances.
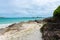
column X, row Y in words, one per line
column 15, row 20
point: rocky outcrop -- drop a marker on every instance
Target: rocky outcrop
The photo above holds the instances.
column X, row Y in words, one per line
column 51, row 30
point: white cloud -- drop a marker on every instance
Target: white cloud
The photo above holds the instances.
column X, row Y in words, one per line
column 29, row 7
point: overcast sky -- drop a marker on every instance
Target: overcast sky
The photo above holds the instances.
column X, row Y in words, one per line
column 28, row 8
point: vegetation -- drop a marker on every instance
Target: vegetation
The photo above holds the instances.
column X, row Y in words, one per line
column 57, row 12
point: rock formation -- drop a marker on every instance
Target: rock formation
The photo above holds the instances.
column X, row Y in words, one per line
column 51, row 30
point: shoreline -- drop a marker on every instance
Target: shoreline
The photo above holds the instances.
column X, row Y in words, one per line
column 5, row 25
column 26, row 30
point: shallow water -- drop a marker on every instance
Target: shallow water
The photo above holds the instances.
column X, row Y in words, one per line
column 16, row 20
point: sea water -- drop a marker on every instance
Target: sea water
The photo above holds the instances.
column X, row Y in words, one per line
column 16, row 20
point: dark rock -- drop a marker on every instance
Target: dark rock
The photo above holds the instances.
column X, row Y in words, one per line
column 11, row 25
column 51, row 30
column 38, row 21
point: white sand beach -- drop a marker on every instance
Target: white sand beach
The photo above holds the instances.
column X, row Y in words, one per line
column 31, row 31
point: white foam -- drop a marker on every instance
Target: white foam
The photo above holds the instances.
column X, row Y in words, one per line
column 4, row 25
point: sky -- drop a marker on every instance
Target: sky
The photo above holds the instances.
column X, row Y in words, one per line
column 28, row 8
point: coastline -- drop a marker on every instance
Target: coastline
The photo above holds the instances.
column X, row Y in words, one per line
column 28, row 31
column 5, row 25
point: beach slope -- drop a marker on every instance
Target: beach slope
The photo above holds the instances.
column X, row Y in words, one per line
column 22, row 31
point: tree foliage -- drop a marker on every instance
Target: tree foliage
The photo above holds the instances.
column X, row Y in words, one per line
column 57, row 12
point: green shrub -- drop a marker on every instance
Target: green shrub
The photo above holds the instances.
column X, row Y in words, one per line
column 57, row 12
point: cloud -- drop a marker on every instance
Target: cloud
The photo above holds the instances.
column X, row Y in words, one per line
column 28, row 8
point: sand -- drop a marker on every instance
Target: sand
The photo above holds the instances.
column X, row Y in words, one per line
column 31, row 32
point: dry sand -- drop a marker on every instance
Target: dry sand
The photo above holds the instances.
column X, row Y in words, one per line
column 31, row 31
